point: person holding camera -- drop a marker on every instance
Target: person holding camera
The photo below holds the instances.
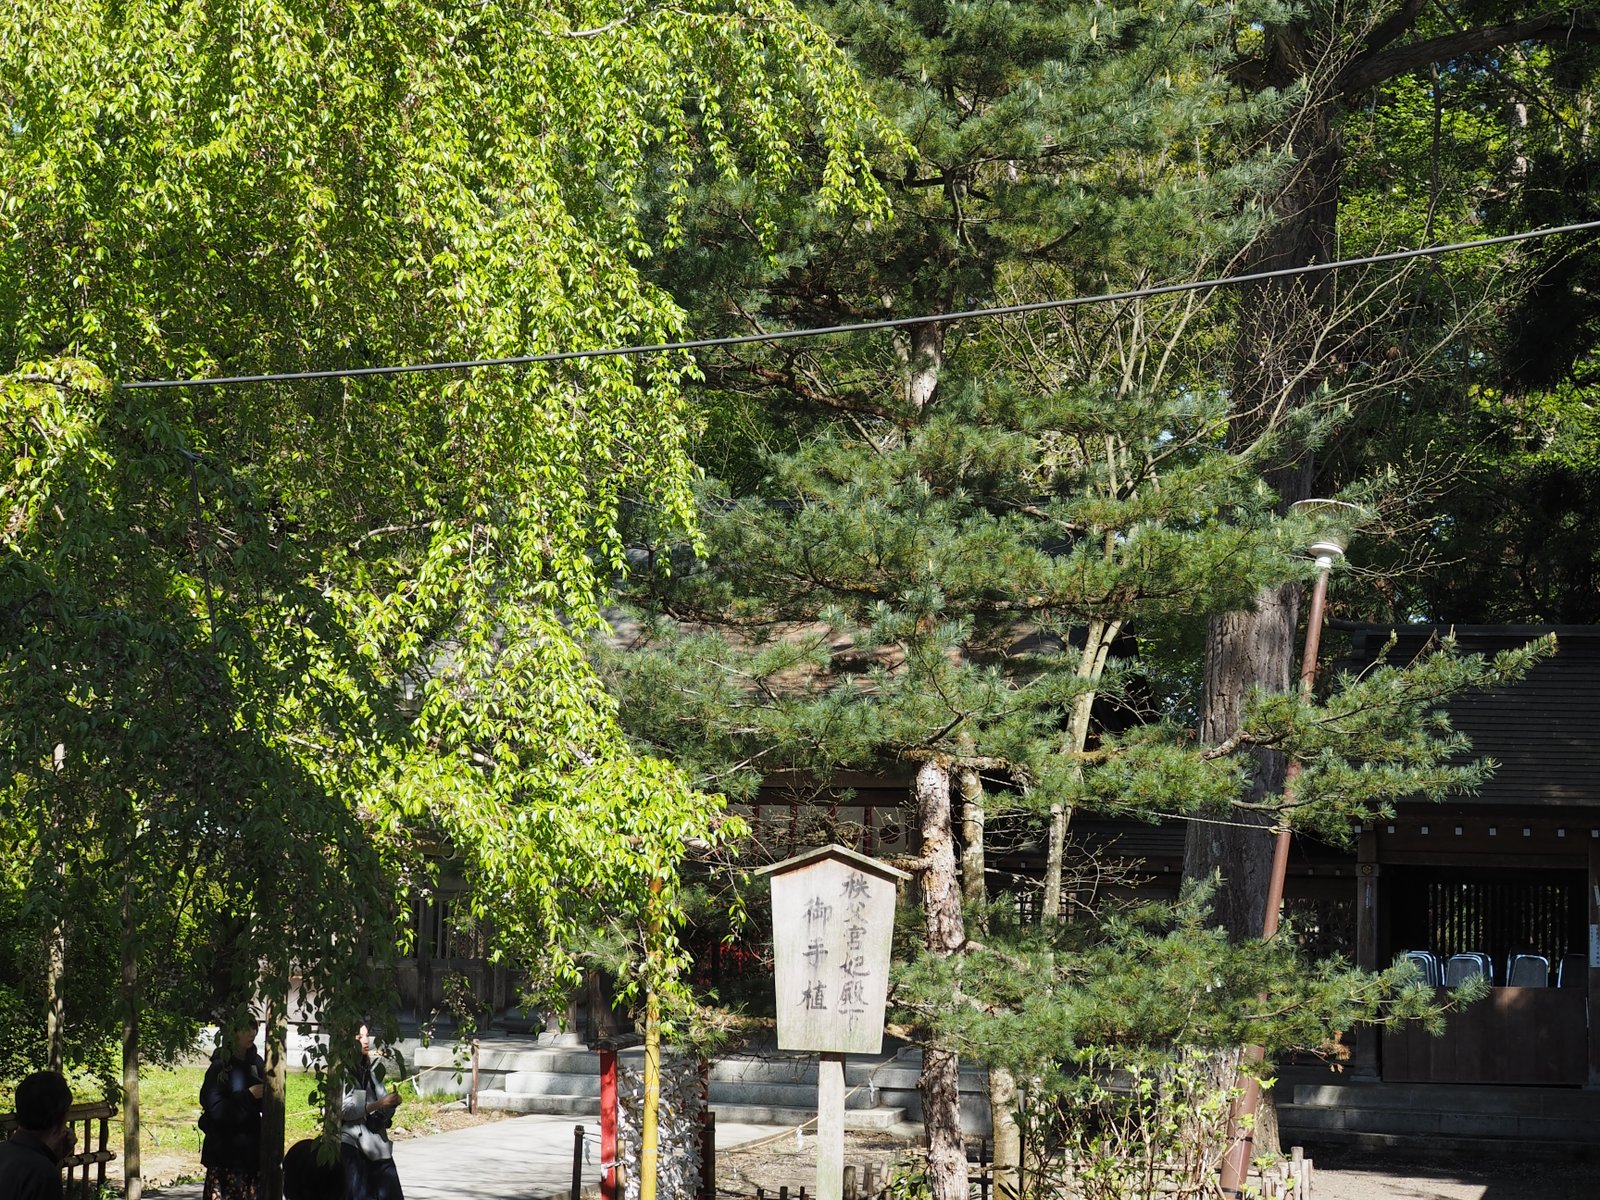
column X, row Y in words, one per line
column 365, row 1151
column 230, row 1117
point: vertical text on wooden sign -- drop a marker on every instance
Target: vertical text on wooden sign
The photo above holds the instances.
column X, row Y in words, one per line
column 832, row 929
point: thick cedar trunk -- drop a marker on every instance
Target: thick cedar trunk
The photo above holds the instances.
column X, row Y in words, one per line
column 945, row 934
column 1243, row 650
column 1276, row 370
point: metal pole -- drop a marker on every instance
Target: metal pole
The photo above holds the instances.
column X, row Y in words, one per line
column 608, row 1123
column 577, row 1161
column 1242, row 1112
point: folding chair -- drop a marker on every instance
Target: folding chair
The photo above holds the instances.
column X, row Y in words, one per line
column 1528, row 970
column 1463, row 967
column 1427, row 965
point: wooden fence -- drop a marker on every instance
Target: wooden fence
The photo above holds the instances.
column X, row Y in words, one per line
column 1520, row 1035
column 94, row 1120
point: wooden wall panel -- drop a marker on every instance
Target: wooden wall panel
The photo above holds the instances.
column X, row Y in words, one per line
column 1516, row 1035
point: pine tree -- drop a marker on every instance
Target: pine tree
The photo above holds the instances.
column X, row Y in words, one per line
column 1348, row 63
column 928, row 559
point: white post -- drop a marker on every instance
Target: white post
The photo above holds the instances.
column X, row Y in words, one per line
column 830, row 1127
column 832, row 929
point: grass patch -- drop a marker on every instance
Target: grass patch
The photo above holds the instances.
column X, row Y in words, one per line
column 169, row 1106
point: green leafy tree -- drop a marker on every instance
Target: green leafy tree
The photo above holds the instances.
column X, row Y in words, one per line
column 1492, row 454
column 1415, row 124
column 295, row 638
column 1448, row 166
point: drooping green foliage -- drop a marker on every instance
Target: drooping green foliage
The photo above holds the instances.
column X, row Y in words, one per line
column 299, row 639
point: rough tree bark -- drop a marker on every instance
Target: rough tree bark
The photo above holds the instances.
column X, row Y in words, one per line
column 944, row 935
column 1243, row 650
column 1275, row 371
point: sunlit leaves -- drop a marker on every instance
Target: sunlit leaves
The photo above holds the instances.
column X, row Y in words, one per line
column 343, row 618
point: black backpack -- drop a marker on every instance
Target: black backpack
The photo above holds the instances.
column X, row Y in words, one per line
column 211, row 1091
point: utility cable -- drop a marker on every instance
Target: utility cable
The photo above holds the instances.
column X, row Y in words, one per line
column 781, row 335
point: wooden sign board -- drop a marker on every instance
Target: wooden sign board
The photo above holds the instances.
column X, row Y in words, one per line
column 833, row 924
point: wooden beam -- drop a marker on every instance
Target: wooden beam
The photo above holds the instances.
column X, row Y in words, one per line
column 1364, row 1060
column 1536, row 861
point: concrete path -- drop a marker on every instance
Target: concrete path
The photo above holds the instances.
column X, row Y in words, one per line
column 519, row 1158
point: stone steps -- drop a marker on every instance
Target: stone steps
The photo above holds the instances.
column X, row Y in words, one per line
column 1438, row 1118
column 772, row 1088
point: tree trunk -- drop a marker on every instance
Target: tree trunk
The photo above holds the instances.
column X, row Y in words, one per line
column 1283, row 328
column 1002, row 1084
column 1097, row 641
column 973, row 886
column 55, row 1012
column 1243, row 650
column 276, row 1024
column 55, row 959
column 945, row 934
column 1006, row 1134
column 133, row 1180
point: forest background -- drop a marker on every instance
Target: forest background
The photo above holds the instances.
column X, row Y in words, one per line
column 269, row 651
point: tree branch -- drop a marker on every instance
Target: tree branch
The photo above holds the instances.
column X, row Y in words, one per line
column 1369, row 71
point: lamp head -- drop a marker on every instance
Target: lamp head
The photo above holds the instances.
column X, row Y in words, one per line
column 1332, row 523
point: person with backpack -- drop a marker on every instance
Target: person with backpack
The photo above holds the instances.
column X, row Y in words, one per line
column 230, row 1117
column 366, row 1109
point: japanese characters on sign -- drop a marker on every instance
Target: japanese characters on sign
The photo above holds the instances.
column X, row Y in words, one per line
column 833, row 916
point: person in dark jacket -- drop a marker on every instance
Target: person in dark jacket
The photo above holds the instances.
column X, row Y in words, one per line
column 366, row 1108
column 30, row 1162
column 230, row 1118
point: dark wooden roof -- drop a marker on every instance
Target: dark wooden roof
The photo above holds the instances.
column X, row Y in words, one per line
column 1544, row 732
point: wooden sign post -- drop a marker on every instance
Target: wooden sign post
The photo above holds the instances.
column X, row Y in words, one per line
column 832, row 928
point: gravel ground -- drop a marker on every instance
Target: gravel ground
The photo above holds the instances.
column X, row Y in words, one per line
column 1347, row 1175
column 788, row 1161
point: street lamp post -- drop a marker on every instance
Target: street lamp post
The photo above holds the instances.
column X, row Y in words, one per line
column 1335, row 518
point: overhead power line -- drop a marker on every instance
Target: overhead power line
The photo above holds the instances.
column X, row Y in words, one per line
column 784, row 335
